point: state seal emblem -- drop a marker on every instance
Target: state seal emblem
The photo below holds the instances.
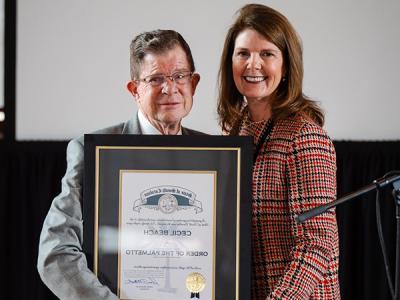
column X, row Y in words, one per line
column 167, row 203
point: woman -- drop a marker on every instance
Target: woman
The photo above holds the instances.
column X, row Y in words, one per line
column 260, row 94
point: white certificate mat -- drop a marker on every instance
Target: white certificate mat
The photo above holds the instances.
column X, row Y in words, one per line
column 166, row 233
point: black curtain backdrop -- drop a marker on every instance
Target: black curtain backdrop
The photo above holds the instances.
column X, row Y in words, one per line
column 362, row 273
column 30, row 174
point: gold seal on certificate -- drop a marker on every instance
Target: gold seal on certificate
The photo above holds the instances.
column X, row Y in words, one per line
column 195, row 283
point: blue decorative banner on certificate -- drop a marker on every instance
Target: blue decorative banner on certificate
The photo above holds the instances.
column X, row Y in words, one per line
column 168, row 199
column 166, row 234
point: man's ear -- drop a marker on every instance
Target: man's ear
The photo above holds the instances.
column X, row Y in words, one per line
column 195, row 81
column 132, row 87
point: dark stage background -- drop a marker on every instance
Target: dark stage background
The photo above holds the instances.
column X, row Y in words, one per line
column 30, row 174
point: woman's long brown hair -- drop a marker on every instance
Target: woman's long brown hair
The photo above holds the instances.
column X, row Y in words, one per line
column 289, row 99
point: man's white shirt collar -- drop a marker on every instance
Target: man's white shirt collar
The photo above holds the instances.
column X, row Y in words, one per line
column 147, row 128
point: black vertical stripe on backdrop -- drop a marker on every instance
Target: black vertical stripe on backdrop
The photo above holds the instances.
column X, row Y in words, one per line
column 10, row 17
column 30, row 174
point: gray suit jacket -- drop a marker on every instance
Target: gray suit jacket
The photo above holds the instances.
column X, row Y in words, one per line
column 61, row 263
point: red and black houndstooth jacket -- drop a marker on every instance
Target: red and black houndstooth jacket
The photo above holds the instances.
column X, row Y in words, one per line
column 295, row 171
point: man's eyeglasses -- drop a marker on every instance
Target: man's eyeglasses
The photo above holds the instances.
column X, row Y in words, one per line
column 159, row 79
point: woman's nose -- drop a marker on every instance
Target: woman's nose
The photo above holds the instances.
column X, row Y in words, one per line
column 254, row 62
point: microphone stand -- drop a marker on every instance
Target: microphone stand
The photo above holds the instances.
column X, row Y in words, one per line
column 376, row 184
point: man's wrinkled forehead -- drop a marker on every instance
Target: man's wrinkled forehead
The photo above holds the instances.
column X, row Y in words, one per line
column 173, row 58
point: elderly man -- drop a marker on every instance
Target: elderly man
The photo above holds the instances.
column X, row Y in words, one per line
column 163, row 84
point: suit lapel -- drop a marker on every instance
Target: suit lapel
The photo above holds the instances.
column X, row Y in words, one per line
column 185, row 131
column 132, row 126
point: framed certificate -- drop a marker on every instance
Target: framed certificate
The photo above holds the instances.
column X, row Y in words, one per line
column 169, row 217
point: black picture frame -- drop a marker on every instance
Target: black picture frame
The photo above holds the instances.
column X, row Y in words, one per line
column 230, row 157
